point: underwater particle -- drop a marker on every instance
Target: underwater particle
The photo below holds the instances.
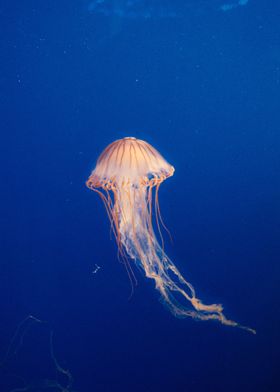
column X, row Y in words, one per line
column 127, row 177
column 96, row 269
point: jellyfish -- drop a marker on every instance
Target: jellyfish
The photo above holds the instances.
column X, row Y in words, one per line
column 127, row 177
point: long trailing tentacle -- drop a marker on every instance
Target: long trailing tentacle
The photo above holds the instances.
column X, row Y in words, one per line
column 138, row 238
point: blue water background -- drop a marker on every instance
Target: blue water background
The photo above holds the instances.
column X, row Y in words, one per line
column 202, row 86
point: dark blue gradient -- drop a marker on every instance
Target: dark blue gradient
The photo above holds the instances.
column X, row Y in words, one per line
column 203, row 87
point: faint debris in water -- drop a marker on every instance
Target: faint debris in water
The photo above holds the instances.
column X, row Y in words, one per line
column 157, row 9
column 231, row 6
column 17, row 339
column 37, row 384
column 133, row 9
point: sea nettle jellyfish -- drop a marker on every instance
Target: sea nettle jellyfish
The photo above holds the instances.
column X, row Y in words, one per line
column 127, row 177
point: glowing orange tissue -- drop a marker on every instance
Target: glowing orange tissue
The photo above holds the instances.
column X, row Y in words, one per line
column 127, row 177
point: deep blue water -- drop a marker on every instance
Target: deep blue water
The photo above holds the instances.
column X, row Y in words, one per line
column 199, row 80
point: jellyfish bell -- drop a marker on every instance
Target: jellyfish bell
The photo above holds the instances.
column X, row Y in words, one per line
column 127, row 177
column 129, row 162
column 130, row 168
